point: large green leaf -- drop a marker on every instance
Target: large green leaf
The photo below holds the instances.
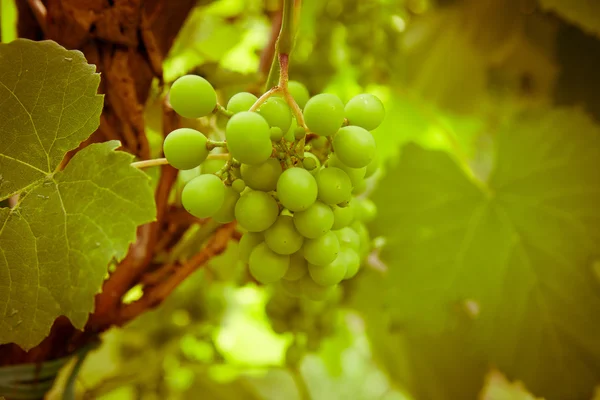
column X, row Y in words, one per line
column 584, row 13
column 515, row 255
column 56, row 242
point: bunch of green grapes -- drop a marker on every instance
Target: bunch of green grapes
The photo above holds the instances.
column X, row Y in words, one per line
column 289, row 182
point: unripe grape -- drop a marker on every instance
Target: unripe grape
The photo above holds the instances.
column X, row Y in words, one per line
column 256, row 211
column 367, row 210
column 247, row 243
column 331, row 273
column 241, row 102
column 185, row 148
column 365, row 240
column 365, row 110
column 282, row 236
column 313, row 290
column 324, row 114
column 226, row 213
column 299, row 133
column 315, row 221
column 296, row 189
column 298, row 267
column 212, row 166
column 192, row 96
column 359, row 188
column 238, row 185
column 262, row 177
column 356, row 175
column 334, row 185
column 372, row 167
column 299, row 92
column 203, row 196
column 277, row 113
column 351, row 260
column 322, row 250
column 266, row 266
column 348, row 237
column 248, row 138
column 292, row 288
column 294, row 354
column 342, row 216
column 319, row 143
column 317, row 162
column 276, row 134
column 354, row 146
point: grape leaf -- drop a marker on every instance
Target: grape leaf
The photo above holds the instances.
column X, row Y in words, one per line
column 498, row 273
column 584, row 13
column 56, row 242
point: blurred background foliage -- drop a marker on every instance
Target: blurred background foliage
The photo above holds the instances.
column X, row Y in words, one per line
column 482, row 271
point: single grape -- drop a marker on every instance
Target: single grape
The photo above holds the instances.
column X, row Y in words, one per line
column 299, row 92
column 354, row 146
column 279, row 326
column 186, row 175
column 248, row 138
column 319, row 143
column 317, row 162
column 226, row 213
column 360, row 188
column 247, row 243
column 276, row 134
column 299, row 133
column 298, row 267
column 241, row 102
column 211, row 166
column 365, row 240
column 313, row 290
column 324, row 114
column 289, row 135
column 329, row 274
column 373, row 166
column 342, row 216
column 367, row 210
column 351, row 260
column 365, row 110
column 334, row 185
column 296, row 189
column 282, row 236
column 262, row 177
column 185, row 148
column 192, row 96
column 322, row 250
column 292, row 288
column 277, row 113
column 256, row 211
column 356, row 175
column 309, row 163
column 315, row 221
column 348, row 237
column 203, row 196
column 238, row 185
column 266, row 266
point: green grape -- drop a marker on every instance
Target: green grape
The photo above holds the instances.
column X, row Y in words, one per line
column 313, row 290
column 319, row 143
column 292, row 288
column 299, row 133
column 372, row 167
column 356, row 175
column 185, row 148
column 262, row 177
column 186, row 175
column 248, row 138
column 298, row 267
column 324, row 114
column 241, row 102
column 364, row 239
column 331, row 273
column 311, row 156
column 256, row 211
column 289, row 135
column 322, row 250
column 226, row 213
column 365, row 110
column 354, row 146
column 294, row 354
column 238, row 185
column 266, row 266
column 212, row 166
column 282, row 236
column 277, row 113
column 309, row 163
column 280, row 327
column 296, row 189
column 315, row 221
column 367, row 210
column 334, row 185
column 247, row 243
column 351, row 260
column 203, row 196
column 299, row 92
column 192, row 96
column 276, row 134
column 348, row 237
column 360, row 188
column 342, row 216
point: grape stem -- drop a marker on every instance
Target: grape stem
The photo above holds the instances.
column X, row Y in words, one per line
column 219, row 109
column 264, row 97
column 163, row 161
column 211, row 144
